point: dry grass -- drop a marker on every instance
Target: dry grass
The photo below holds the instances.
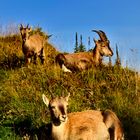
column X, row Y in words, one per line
column 22, row 112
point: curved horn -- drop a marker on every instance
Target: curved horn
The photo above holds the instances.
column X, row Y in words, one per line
column 97, row 32
column 102, row 35
column 49, row 36
column 21, row 26
column 27, row 26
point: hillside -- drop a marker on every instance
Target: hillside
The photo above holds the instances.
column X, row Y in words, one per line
column 22, row 111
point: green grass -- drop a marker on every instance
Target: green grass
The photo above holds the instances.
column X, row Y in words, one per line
column 22, row 110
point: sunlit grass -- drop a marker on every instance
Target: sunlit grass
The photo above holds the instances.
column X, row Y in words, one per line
column 22, row 110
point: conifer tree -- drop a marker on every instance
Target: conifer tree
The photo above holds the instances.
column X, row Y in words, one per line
column 89, row 41
column 81, row 46
column 118, row 60
column 110, row 61
column 76, row 43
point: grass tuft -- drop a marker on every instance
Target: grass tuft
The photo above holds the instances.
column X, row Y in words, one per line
column 22, row 112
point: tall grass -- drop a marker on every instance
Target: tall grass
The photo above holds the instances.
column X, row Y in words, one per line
column 22, row 112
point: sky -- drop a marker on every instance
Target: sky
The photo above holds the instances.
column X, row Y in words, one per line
column 119, row 19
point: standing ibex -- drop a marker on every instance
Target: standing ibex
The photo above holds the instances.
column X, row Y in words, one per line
column 85, row 60
column 32, row 44
column 86, row 125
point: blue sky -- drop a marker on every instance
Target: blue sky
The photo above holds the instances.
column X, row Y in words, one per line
column 120, row 19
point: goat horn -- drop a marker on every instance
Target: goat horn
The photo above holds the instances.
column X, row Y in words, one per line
column 21, row 26
column 104, row 37
column 49, row 36
column 101, row 34
column 97, row 33
column 27, row 26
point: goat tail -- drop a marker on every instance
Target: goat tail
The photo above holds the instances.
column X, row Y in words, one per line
column 113, row 124
column 60, row 59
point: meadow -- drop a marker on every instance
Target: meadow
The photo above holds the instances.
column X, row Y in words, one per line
column 23, row 114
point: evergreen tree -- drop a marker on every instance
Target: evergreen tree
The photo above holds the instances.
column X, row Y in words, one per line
column 76, row 43
column 89, row 44
column 81, row 46
column 118, row 60
column 89, row 41
column 81, row 42
column 110, row 61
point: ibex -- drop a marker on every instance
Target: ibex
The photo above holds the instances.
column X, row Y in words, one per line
column 85, row 60
column 32, row 44
column 113, row 124
column 86, row 125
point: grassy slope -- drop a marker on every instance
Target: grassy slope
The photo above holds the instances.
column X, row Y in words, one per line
column 22, row 110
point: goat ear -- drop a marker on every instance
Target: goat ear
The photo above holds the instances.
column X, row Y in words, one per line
column 20, row 26
column 45, row 100
column 67, row 97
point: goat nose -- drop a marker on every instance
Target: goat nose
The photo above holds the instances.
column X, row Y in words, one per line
column 112, row 53
column 64, row 116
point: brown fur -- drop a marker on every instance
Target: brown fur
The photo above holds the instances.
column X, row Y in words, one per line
column 113, row 124
column 85, row 60
column 85, row 125
column 32, row 45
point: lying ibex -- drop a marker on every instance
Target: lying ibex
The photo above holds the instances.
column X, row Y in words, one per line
column 113, row 124
column 32, row 44
column 86, row 125
column 84, row 60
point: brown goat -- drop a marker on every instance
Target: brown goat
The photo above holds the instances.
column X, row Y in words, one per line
column 113, row 124
column 32, row 44
column 85, row 60
column 86, row 125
